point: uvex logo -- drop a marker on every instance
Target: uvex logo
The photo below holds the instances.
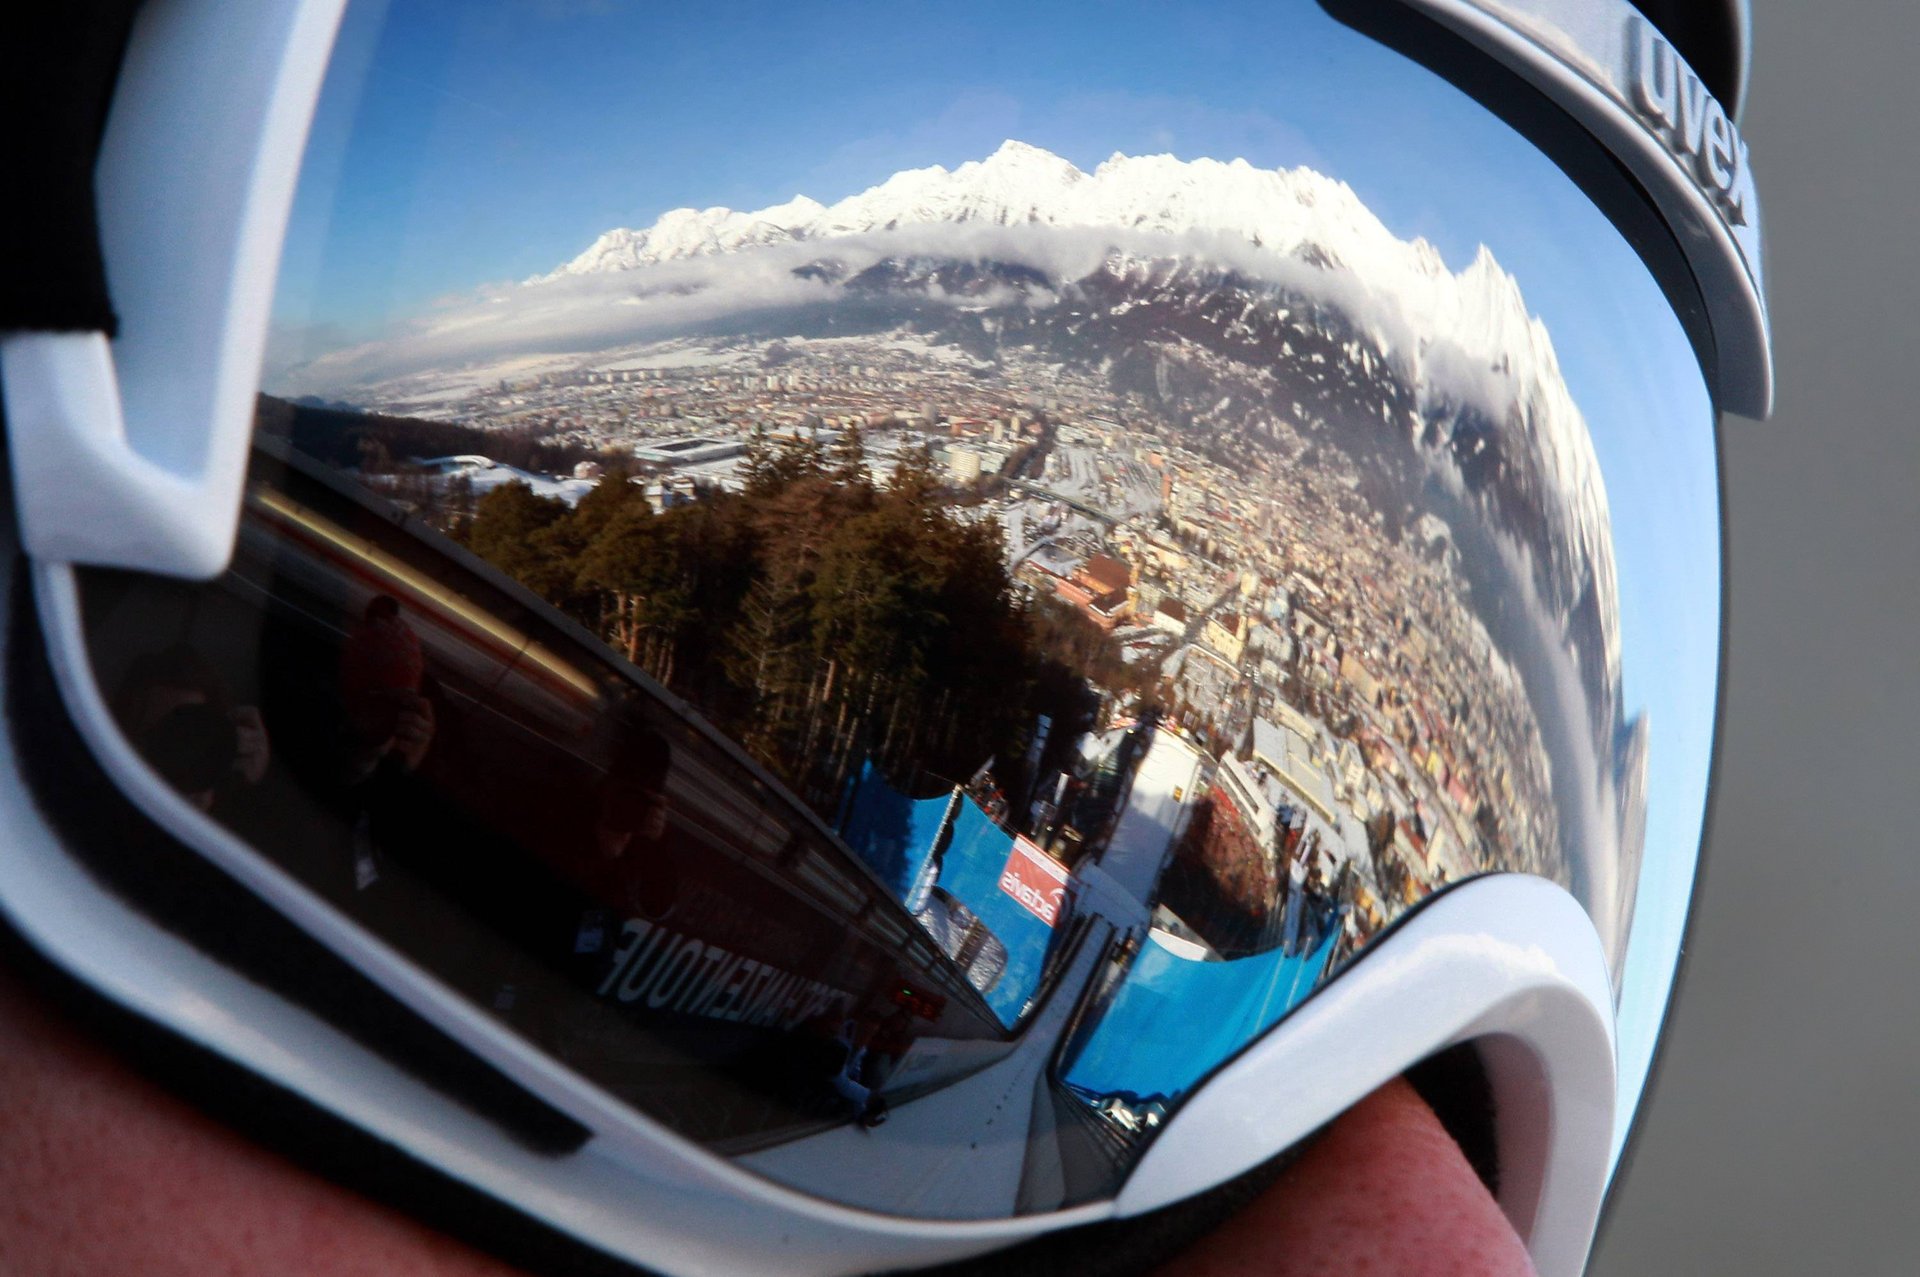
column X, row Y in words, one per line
column 1694, row 126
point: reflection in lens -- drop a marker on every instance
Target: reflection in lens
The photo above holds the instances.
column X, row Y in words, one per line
column 943, row 671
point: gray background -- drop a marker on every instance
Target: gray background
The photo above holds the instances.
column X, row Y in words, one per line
column 1783, row 1133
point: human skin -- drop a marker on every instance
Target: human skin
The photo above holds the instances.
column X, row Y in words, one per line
column 102, row 1172
column 1385, row 1191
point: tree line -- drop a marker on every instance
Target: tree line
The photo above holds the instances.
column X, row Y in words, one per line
column 377, row 443
column 819, row 617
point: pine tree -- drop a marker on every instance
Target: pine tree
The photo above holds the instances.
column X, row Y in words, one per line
column 816, row 618
column 631, row 560
column 767, row 659
column 848, row 459
column 512, row 528
column 914, row 479
column 773, row 464
column 613, row 493
column 757, row 475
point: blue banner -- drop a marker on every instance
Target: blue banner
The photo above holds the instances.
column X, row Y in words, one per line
column 1175, row 1019
column 898, row 836
column 892, row 833
column 970, row 873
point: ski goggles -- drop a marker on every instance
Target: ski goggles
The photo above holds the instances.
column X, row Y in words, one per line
column 838, row 641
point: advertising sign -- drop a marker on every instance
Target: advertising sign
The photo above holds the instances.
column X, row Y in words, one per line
column 1035, row 879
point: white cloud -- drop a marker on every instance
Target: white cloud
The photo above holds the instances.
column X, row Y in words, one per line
column 591, row 312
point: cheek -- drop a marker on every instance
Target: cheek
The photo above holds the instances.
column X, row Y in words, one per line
column 1384, row 1190
column 102, row 1172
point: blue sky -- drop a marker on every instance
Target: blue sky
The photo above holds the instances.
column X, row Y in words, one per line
column 467, row 141
column 498, row 139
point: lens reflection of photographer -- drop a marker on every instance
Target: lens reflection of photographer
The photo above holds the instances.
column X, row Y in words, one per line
column 381, row 676
column 176, row 710
column 621, row 857
column 630, row 822
column 633, row 795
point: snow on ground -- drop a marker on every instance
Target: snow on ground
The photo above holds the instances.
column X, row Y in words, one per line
column 1095, row 891
column 963, row 1151
column 1146, row 650
column 486, row 474
column 1163, row 789
column 728, row 473
column 958, row 1153
column 921, row 348
column 1072, row 471
column 1056, row 560
column 443, row 394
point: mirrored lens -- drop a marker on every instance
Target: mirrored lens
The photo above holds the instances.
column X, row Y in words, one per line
column 892, row 590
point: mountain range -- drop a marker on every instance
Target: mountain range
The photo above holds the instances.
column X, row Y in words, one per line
column 1271, row 267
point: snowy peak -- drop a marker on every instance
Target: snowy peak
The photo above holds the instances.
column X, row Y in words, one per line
column 687, row 232
column 1284, row 218
column 1282, row 211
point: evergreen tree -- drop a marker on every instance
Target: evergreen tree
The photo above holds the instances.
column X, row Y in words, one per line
column 914, row 480
column 769, row 660
column 757, row 474
column 848, row 458
column 457, row 507
column 773, row 464
column 513, row 529
column 613, row 493
column 816, row 618
column 631, row 562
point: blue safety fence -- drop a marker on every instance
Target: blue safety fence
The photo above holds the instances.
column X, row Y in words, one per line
column 1174, row 1019
column 892, row 833
column 897, row 837
column 970, row 873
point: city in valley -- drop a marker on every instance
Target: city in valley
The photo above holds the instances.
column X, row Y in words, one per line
column 1361, row 740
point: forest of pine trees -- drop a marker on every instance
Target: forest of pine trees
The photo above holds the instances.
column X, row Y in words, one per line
column 816, row 616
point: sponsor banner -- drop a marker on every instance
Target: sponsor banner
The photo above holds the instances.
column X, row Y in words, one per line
column 1035, row 879
column 676, row 972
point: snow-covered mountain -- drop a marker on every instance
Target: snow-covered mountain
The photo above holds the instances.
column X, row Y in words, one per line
column 1296, row 215
column 1280, row 209
column 1459, row 340
column 1453, row 328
